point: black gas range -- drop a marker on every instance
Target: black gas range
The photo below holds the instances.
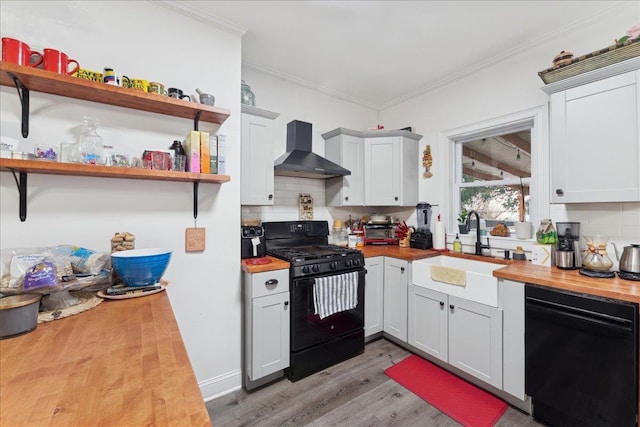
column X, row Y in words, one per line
column 320, row 259
column 318, row 342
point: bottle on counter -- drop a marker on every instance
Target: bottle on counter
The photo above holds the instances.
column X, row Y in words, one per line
column 457, row 244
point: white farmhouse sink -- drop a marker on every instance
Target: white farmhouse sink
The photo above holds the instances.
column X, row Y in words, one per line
column 480, row 284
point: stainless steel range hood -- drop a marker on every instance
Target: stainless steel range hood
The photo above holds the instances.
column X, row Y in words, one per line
column 300, row 161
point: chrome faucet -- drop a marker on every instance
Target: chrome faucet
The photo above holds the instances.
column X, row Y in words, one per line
column 479, row 245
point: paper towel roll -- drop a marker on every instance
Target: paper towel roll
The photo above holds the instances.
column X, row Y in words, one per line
column 439, row 239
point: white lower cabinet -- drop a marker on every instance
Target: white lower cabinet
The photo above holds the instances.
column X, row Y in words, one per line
column 397, row 276
column 463, row 333
column 373, row 296
column 266, row 323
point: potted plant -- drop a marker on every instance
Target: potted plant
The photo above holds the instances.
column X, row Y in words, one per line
column 462, row 219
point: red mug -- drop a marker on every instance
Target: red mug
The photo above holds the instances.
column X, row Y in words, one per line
column 58, row 62
column 18, row 52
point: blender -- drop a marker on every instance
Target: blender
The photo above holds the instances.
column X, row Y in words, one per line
column 568, row 250
column 422, row 238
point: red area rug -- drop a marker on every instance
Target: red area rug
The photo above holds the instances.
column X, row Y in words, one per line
column 462, row 401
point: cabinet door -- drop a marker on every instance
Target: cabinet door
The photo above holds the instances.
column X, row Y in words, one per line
column 396, row 281
column 269, row 335
column 373, row 295
column 382, row 172
column 475, row 339
column 348, row 152
column 512, row 299
column 256, row 185
column 595, row 149
column 428, row 321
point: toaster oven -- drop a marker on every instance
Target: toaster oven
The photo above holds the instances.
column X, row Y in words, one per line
column 379, row 234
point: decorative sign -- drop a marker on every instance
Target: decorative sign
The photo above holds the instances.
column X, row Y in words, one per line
column 427, row 161
column 305, row 205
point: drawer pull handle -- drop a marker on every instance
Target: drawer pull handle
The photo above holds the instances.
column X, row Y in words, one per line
column 271, row 282
column 559, row 192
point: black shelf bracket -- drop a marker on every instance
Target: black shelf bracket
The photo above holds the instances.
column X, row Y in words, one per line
column 196, row 120
column 23, row 93
column 195, row 199
column 22, row 191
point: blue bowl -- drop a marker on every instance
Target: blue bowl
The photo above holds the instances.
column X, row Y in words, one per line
column 141, row 267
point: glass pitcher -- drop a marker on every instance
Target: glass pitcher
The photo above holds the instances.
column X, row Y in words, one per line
column 595, row 256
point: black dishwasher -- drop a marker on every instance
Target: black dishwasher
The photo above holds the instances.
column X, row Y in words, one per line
column 581, row 358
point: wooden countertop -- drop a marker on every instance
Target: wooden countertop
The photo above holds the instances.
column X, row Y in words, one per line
column 395, row 251
column 275, row 264
column 571, row 280
column 120, row 363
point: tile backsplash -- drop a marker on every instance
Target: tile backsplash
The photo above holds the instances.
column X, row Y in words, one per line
column 285, row 204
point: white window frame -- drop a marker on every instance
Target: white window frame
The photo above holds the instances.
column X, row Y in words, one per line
column 538, row 183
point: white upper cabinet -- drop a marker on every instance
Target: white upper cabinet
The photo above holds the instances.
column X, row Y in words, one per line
column 347, row 151
column 256, row 185
column 594, row 131
column 383, row 166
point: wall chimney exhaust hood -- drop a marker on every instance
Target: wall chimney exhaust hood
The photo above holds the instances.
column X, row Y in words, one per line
column 300, row 161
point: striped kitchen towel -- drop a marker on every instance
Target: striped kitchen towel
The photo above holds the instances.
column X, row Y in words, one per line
column 333, row 294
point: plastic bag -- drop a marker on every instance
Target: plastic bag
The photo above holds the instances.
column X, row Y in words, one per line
column 48, row 270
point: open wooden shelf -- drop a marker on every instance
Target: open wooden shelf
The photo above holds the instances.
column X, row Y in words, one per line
column 77, row 169
column 28, row 79
column 38, row 80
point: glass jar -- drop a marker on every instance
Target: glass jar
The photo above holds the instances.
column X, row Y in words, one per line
column 546, row 233
column 108, row 156
column 246, row 96
column 91, row 145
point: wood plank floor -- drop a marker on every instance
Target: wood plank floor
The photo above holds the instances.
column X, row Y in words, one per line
column 353, row 393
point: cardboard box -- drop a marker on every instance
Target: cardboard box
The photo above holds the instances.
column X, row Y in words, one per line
column 542, row 255
column 205, row 164
column 213, row 153
column 222, row 156
column 192, row 147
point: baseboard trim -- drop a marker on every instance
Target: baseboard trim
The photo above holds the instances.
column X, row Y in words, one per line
column 215, row 387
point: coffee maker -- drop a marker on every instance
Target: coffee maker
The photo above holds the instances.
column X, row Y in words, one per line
column 568, row 249
column 422, row 238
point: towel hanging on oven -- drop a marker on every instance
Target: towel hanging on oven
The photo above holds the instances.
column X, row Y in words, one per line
column 333, row 294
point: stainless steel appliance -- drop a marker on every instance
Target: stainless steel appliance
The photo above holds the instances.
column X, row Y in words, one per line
column 252, row 242
column 581, row 358
column 568, row 250
column 317, row 343
column 379, row 234
column 422, row 238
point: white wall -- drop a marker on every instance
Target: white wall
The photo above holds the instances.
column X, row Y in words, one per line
column 142, row 40
column 510, row 86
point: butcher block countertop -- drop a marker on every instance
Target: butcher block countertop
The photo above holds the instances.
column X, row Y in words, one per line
column 571, row 280
column 121, row 363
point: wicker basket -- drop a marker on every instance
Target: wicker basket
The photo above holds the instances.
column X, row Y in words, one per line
column 592, row 61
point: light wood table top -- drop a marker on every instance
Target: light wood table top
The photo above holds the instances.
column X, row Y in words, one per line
column 122, row 363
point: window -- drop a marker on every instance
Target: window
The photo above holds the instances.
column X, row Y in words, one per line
column 487, row 174
column 495, row 176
